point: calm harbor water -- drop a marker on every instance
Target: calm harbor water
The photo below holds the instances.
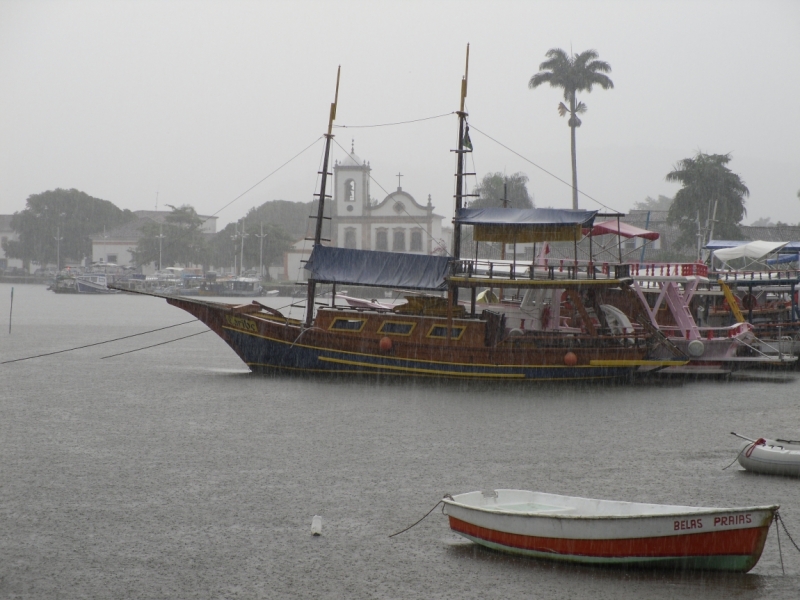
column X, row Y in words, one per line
column 174, row 473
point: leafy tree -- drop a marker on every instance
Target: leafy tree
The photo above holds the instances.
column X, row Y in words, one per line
column 493, row 186
column 573, row 73
column 225, row 249
column 707, row 182
column 179, row 240
column 293, row 216
column 67, row 214
column 662, row 203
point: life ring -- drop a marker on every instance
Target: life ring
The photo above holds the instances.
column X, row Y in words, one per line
column 749, row 302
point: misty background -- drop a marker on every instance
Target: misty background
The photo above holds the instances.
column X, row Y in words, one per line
column 195, row 102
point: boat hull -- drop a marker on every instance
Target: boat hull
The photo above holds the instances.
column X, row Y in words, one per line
column 269, row 342
column 672, row 537
column 771, row 458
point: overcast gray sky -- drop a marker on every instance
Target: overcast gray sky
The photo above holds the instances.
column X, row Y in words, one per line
column 197, row 101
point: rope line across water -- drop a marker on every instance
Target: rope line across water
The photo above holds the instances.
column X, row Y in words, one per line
column 448, row 496
column 125, row 337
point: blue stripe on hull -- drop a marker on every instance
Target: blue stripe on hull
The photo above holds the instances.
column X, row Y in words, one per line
column 265, row 354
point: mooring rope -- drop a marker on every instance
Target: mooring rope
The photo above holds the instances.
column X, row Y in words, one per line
column 154, row 345
column 448, row 496
column 780, row 520
column 778, row 533
column 125, row 337
column 734, row 460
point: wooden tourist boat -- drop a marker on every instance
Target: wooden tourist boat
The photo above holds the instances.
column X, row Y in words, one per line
column 771, row 457
column 606, row 532
column 433, row 335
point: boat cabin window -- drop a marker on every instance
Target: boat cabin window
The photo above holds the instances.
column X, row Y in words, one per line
column 440, row 331
column 340, row 324
column 396, row 328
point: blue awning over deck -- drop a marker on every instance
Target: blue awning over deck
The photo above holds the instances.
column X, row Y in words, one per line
column 378, row 269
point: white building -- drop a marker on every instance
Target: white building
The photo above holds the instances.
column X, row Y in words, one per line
column 398, row 223
column 116, row 246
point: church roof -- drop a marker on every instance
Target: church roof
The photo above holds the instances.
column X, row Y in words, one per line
column 352, row 159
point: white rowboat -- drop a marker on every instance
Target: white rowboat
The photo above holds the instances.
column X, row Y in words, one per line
column 608, row 532
column 772, row 457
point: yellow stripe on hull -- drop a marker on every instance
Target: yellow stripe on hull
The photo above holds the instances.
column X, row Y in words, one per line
column 637, row 363
column 425, row 371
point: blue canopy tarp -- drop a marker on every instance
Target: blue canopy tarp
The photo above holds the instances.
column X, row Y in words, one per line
column 524, row 225
column 784, row 258
column 378, row 269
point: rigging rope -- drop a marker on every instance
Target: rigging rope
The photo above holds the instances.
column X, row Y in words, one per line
column 540, row 168
column 391, row 124
column 265, row 178
column 125, row 337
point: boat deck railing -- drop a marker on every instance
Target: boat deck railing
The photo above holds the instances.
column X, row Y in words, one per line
column 784, row 277
column 562, row 268
column 551, row 269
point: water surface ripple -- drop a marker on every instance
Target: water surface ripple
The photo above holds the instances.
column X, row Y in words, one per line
column 174, row 473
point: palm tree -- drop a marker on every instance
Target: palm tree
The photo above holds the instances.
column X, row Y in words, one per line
column 710, row 192
column 574, row 73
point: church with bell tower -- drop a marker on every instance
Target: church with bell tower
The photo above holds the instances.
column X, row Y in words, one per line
column 398, row 223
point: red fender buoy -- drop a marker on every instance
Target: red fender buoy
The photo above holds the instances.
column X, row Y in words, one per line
column 385, row 344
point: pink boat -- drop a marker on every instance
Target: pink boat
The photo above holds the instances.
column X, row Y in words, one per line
column 607, row 532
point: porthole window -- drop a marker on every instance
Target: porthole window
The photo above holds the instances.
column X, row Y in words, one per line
column 396, row 328
column 440, row 331
column 354, row 325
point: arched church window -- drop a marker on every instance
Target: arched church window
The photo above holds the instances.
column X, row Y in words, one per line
column 350, row 237
column 350, row 191
column 399, row 240
column 381, row 239
column 416, row 241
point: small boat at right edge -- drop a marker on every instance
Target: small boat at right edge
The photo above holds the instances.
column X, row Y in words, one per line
column 771, row 457
column 607, row 532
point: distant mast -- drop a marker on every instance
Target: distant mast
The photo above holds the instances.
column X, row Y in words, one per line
column 312, row 284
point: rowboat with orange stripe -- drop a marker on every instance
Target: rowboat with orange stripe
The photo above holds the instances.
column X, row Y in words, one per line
column 607, row 532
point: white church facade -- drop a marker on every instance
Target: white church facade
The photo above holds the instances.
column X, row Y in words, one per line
column 398, row 223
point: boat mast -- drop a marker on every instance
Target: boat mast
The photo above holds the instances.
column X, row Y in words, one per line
column 462, row 122
column 460, row 152
column 312, row 284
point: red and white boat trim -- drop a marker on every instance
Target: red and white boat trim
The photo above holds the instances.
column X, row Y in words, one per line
column 609, row 532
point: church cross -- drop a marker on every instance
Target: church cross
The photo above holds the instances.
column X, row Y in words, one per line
column 399, row 175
